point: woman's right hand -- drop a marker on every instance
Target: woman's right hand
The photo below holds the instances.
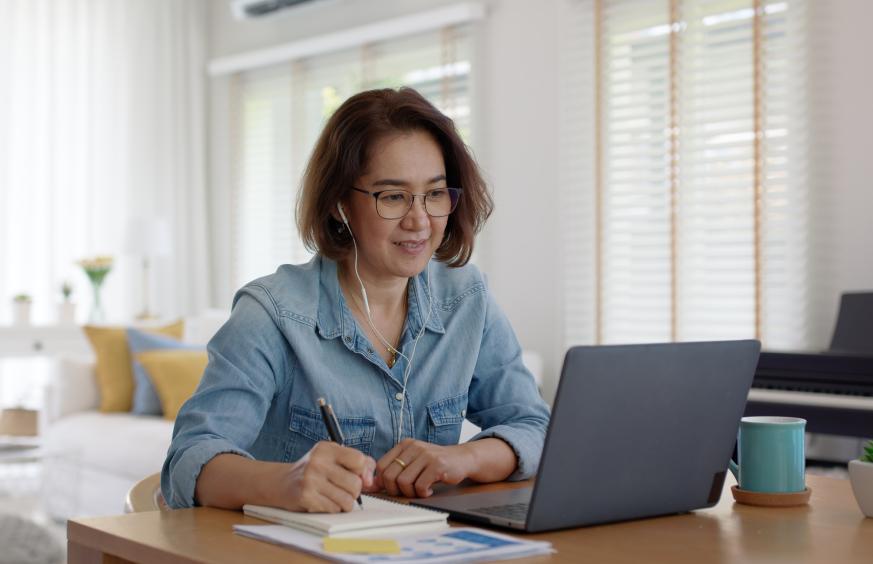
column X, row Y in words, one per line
column 328, row 479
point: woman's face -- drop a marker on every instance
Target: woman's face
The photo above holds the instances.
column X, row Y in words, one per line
column 397, row 248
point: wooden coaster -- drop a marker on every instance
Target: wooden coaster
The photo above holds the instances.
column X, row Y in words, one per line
column 763, row 499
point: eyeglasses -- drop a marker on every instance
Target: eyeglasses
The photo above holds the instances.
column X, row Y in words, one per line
column 395, row 204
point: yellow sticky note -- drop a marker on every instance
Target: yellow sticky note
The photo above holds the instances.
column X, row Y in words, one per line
column 361, row 546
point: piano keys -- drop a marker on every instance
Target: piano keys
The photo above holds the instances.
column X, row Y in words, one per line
column 832, row 391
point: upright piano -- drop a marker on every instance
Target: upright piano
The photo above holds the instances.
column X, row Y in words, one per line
column 832, row 391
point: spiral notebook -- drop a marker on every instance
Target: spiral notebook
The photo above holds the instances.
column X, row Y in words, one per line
column 378, row 517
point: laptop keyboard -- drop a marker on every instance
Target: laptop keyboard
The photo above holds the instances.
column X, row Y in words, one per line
column 513, row 511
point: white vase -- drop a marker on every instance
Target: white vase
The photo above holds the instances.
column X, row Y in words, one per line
column 861, row 476
column 20, row 313
column 66, row 313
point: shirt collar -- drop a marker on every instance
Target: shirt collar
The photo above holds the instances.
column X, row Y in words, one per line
column 419, row 299
column 335, row 319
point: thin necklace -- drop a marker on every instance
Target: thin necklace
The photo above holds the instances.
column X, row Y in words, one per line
column 392, row 360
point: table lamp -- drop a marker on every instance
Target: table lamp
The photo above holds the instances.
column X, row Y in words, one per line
column 148, row 238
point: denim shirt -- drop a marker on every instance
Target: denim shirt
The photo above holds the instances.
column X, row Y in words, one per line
column 291, row 338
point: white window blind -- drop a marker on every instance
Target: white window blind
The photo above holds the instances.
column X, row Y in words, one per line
column 281, row 110
column 693, row 197
column 576, row 172
column 635, row 76
column 787, row 303
column 262, row 213
column 717, row 171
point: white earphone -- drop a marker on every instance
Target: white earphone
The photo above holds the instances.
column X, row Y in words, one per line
column 339, row 208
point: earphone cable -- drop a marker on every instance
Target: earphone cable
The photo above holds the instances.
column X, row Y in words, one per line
column 411, row 356
column 385, row 342
column 414, row 346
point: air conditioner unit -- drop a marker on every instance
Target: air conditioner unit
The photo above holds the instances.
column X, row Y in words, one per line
column 251, row 9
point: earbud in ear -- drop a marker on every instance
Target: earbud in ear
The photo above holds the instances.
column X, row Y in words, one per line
column 339, row 208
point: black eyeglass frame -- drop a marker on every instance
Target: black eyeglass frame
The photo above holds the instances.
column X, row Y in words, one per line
column 423, row 197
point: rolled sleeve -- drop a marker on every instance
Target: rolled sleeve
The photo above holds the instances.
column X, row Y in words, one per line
column 248, row 364
column 179, row 475
column 526, row 443
column 504, row 399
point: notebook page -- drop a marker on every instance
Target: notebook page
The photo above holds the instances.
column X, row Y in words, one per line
column 377, row 513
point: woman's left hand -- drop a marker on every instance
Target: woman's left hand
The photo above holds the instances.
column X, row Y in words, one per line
column 412, row 467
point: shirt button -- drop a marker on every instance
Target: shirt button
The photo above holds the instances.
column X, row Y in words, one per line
column 370, row 351
column 348, row 339
column 463, row 413
column 398, row 396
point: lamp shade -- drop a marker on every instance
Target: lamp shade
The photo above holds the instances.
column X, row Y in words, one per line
column 148, row 237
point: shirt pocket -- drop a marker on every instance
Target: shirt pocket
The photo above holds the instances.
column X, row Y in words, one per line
column 307, row 428
column 445, row 417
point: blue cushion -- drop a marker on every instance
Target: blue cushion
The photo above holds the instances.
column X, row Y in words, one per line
column 145, row 399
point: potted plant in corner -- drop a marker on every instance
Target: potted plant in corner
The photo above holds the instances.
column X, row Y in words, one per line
column 861, row 476
column 21, row 309
column 67, row 309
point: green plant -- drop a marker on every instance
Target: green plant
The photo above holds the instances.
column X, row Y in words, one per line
column 96, row 268
column 66, row 290
column 21, row 299
column 868, row 452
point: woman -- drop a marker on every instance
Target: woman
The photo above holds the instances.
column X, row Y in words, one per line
column 404, row 347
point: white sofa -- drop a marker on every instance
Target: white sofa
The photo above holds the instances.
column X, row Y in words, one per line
column 94, row 458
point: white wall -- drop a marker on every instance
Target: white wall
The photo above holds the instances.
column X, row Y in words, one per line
column 518, row 148
column 516, row 144
column 844, row 183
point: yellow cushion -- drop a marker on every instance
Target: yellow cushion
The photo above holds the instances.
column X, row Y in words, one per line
column 114, row 371
column 175, row 374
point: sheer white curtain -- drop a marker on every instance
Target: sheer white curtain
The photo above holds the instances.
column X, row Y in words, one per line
column 101, row 121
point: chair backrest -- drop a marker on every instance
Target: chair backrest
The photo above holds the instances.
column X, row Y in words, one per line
column 145, row 495
column 854, row 329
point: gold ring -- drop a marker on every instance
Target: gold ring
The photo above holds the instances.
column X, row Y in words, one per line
column 400, row 462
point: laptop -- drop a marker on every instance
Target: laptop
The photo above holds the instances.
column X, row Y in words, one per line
column 636, row 431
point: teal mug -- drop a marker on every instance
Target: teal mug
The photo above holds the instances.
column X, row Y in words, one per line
column 770, row 455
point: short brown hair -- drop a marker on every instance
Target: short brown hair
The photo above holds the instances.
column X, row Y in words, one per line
column 341, row 155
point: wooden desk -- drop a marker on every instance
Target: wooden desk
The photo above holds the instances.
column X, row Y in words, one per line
column 831, row 529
